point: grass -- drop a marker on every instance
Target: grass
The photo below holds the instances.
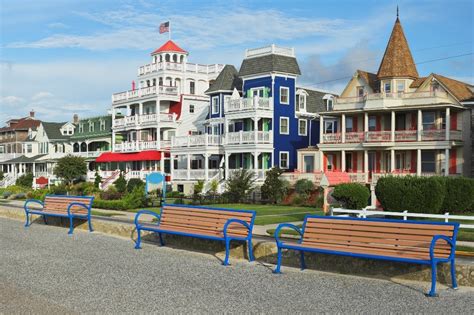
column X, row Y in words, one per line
column 285, row 231
column 465, row 249
column 104, row 214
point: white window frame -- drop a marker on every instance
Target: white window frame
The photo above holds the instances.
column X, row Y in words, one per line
column 282, row 88
column 215, row 100
column 399, row 83
column 326, row 123
column 302, row 103
column 259, row 91
column 288, row 125
column 227, row 99
column 305, row 127
column 287, row 159
column 102, row 125
column 359, row 89
column 192, row 108
column 91, row 127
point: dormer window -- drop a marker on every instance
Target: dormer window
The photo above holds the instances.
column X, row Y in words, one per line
column 102, row 125
column 400, row 86
column 81, row 128
column 360, row 91
column 387, row 87
column 329, row 102
column 302, row 103
column 91, row 127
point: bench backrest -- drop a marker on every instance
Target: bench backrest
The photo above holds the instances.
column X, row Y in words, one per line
column 196, row 219
column 60, row 203
column 378, row 236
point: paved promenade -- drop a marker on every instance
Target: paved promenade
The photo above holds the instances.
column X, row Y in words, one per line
column 43, row 270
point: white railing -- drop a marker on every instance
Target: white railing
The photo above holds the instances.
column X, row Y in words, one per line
column 378, row 136
column 332, row 138
column 88, row 153
column 364, row 213
column 136, row 146
column 354, row 137
column 196, row 140
column 174, row 66
column 272, row 49
column 358, row 177
column 293, row 177
column 145, row 91
column 194, row 174
column 259, row 174
column 148, row 119
column 255, row 103
column 249, row 137
column 405, row 135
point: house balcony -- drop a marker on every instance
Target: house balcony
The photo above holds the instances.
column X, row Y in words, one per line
column 249, row 104
column 249, row 137
column 173, row 66
column 388, row 100
column 197, row 141
column 193, row 174
column 88, row 154
column 166, row 92
column 259, row 174
column 293, row 177
column 134, row 146
column 143, row 120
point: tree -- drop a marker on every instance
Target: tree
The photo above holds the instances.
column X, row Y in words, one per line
column 25, row 180
column 239, row 185
column 2, row 175
column 121, row 183
column 70, row 168
column 274, row 188
column 134, row 182
column 304, row 187
column 97, row 179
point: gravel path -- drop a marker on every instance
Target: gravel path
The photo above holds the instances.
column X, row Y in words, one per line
column 43, row 270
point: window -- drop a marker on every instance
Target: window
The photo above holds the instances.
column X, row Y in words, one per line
column 284, row 95
column 91, row 127
column 215, row 105
column 284, row 126
column 360, row 91
column 284, row 159
column 226, row 100
column 302, row 127
column 348, row 162
column 191, row 108
column 349, row 124
column 443, row 120
column 215, row 130
column 372, row 123
column 81, row 128
column 428, row 161
column 102, row 125
column 388, row 87
column 428, row 120
column 257, row 92
column 400, row 86
column 329, row 104
column 329, row 127
column 192, row 87
column 29, row 148
column 400, row 122
column 302, row 103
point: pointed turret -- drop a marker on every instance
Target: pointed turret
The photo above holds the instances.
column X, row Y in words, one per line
column 397, row 60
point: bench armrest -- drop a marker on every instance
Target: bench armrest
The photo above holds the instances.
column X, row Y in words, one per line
column 230, row 221
column 80, row 204
column 139, row 213
column 450, row 241
column 286, row 225
column 32, row 201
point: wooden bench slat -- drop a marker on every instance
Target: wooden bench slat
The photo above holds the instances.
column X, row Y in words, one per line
column 209, row 211
column 381, row 224
column 193, row 231
column 197, row 228
column 206, row 215
column 205, row 224
column 199, row 219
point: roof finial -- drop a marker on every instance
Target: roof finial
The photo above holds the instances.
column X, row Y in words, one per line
column 397, row 11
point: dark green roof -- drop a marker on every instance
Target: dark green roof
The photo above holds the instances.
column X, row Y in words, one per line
column 269, row 63
column 97, row 132
column 227, row 80
column 52, row 130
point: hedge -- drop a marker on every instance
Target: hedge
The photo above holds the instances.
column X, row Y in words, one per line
column 426, row 194
column 110, row 204
column 352, row 195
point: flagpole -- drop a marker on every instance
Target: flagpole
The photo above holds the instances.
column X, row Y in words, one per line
column 169, row 32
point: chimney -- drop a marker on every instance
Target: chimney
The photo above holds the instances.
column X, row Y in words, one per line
column 75, row 119
column 32, row 113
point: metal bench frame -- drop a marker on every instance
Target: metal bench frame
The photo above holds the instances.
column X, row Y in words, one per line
column 226, row 238
column 44, row 212
column 433, row 261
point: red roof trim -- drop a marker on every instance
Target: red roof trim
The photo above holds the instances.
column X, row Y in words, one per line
column 169, row 46
column 126, row 157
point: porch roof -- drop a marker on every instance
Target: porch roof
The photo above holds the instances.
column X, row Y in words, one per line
column 24, row 159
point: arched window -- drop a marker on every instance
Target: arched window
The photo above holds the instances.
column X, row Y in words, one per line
column 160, row 81
column 83, row 147
column 175, row 58
column 329, row 101
column 161, row 58
column 147, row 83
column 167, row 57
column 76, row 147
column 181, row 59
column 154, row 82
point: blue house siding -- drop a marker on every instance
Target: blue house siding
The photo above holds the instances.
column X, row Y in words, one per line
column 314, row 132
column 255, row 83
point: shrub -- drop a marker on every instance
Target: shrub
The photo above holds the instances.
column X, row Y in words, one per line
column 304, row 187
column 214, row 185
column 84, row 189
column 110, row 204
column 174, row 194
column 459, row 197
column 298, row 200
column 274, row 188
column 97, row 179
column 239, row 185
column 121, row 183
column 134, row 182
column 25, row 180
column 2, row 175
column 352, row 195
column 111, row 194
column 38, row 194
column 415, row 194
column 58, row 190
column 136, row 198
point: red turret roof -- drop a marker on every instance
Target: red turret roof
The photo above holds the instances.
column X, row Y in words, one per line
column 169, row 46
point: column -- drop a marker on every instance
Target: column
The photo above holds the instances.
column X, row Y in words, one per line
column 188, row 165
column 392, row 125
column 113, row 142
column 446, row 160
column 418, row 162
column 448, row 122
column 226, row 165
column 366, row 124
column 206, row 166
column 34, row 169
column 419, row 125
column 343, row 129
column 255, row 129
column 162, row 164
column 343, row 160
column 255, row 163
column 140, row 108
column 158, row 138
column 172, row 165
column 321, row 161
column 128, row 110
column 392, row 160
column 366, row 165
column 321, row 130
column 157, row 109
column 113, row 116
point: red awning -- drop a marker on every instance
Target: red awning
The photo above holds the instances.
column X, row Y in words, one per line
column 125, row 157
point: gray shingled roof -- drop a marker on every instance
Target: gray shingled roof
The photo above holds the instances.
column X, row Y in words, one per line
column 53, row 132
column 269, row 63
column 314, row 100
column 24, row 159
column 227, row 80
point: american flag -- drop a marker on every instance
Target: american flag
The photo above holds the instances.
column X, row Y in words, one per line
column 164, row 27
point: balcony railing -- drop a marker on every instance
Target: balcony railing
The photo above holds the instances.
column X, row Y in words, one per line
column 249, row 137
column 194, row 174
column 196, row 141
column 378, row 136
column 149, row 119
column 405, row 135
column 272, row 49
column 174, row 66
column 136, row 146
column 258, row 174
column 293, row 177
column 246, row 104
column 88, row 154
column 332, row 138
column 145, row 91
column 354, row 137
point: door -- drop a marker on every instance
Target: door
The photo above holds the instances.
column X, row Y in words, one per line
column 371, row 163
column 308, row 161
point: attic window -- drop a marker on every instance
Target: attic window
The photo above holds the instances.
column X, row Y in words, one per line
column 360, row 91
column 302, row 103
column 329, row 102
column 102, row 125
column 91, row 127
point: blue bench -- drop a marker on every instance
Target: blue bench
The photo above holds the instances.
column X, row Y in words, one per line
column 201, row 222
column 404, row 241
column 61, row 206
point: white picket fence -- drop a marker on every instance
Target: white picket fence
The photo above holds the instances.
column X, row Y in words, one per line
column 364, row 213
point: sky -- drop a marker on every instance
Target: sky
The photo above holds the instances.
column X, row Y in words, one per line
column 65, row 57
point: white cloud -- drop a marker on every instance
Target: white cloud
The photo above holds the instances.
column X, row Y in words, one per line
column 11, row 100
column 41, row 95
column 57, row 25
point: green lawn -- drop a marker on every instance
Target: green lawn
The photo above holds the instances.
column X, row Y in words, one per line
column 104, row 214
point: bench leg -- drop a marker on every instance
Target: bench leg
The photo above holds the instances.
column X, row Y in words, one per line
column 250, row 247
column 162, row 242
column 27, row 223
column 433, row 280
column 453, row 275
column 44, row 220
column 227, row 250
column 139, row 239
column 71, row 226
column 303, row 263
column 278, row 266
column 90, row 224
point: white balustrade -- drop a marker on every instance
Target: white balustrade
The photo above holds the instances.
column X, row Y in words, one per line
column 405, row 135
column 332, row 138
column 378, row 136
column 255, row 103
column 248, row 137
